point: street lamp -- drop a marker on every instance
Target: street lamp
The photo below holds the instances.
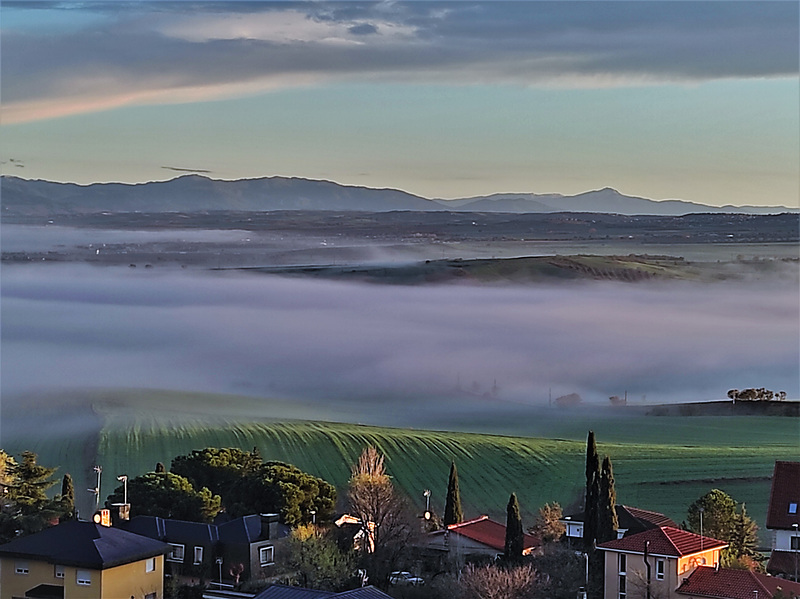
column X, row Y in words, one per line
column 427, row 494
column 796, row 549
column 124, row 479
column 313, row 516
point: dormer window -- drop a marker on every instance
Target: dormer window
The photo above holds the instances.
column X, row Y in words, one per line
column 793, row 508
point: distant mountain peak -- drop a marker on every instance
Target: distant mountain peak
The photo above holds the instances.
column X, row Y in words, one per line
column 195, row 192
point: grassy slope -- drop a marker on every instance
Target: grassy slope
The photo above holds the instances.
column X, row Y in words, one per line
column 661, row 463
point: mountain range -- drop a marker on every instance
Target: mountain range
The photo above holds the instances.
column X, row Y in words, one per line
column 195, row 193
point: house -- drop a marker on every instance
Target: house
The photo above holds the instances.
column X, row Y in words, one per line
column 77, row 560
column 632, row 520
column 660, row 558
column 280, row 591
column 783, row 519
column 245, row 546
column 723, row 583
column 481, row 536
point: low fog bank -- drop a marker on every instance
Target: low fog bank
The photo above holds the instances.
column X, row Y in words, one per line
column 391, row 348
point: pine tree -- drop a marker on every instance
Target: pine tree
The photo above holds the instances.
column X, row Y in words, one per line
column 67, row 498
column 452, row 508
column 30, row 482
column 515, row 539
column 592, row 494
column 607, row 523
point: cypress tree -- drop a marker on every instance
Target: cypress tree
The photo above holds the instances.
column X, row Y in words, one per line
column 592, row 494
column 514, row 535
column 67, row 498
column 607, row 523
column 452, row 507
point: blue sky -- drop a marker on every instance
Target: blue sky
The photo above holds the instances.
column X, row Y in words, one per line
column 689, row 100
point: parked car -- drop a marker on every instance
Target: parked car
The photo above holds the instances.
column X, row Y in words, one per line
column 405, row 578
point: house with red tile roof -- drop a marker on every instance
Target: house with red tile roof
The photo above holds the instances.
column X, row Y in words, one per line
column 631, row 520
column 723, row 583
column 659, row 559
column 480, row 536
column 783, row 519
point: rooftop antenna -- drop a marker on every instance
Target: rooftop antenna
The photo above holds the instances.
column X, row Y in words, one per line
column 98, row 470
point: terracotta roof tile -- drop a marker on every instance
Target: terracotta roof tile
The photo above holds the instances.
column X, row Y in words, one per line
column 490, row 533
column 666, row 540
column 785, row 496
column 735, row 584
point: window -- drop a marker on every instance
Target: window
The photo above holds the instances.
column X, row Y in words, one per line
column 83, row 578
column 266, row 555
column 623, row 563
column 59, row 572
column 198, row 555
column 21, row 568
column 151, row 596
column 795, row 543
column 176, row 555
column 792, row 508
column 150, row 565
column 659, row 569
column 622, row 586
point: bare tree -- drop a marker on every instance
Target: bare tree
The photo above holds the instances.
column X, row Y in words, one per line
column 493, row 582
column 386, row 522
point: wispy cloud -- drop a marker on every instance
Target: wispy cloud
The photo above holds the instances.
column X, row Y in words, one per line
column 161, row 52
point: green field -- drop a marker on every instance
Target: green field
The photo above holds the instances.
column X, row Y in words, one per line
column 661, row 463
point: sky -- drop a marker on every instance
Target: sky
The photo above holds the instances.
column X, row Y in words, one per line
column 665, row 100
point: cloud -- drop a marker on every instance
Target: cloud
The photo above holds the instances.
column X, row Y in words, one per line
column 152, row 53
column 77, row 327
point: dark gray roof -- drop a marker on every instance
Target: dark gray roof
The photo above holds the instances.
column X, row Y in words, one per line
column 173, row 531
column 279, row 591
column 85, row 545
column 369, row 592
column 247, row 529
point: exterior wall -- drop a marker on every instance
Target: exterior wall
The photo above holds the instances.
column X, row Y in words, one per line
column 675, row 570
column 782, row 539
column 122, row 582
column 686, row 565
column 15, row 585
column 72, row 590
column 636, row 577
column 132, row 580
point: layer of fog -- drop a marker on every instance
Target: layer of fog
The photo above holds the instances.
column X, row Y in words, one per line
column 388, row 350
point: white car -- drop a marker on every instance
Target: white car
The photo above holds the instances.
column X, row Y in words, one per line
column 405, row 578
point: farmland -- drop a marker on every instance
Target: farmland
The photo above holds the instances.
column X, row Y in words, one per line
column 661, row 463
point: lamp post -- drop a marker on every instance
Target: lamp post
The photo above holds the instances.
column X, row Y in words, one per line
column 219, row 563
column 124, row 479
column 701, row 529
column 796, row 548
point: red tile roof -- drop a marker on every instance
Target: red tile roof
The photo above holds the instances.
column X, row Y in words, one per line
column 666, row 540
column 490, row 533
column 785, row 491
column 783, row 562
column 655, row 518
column 735, row 584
